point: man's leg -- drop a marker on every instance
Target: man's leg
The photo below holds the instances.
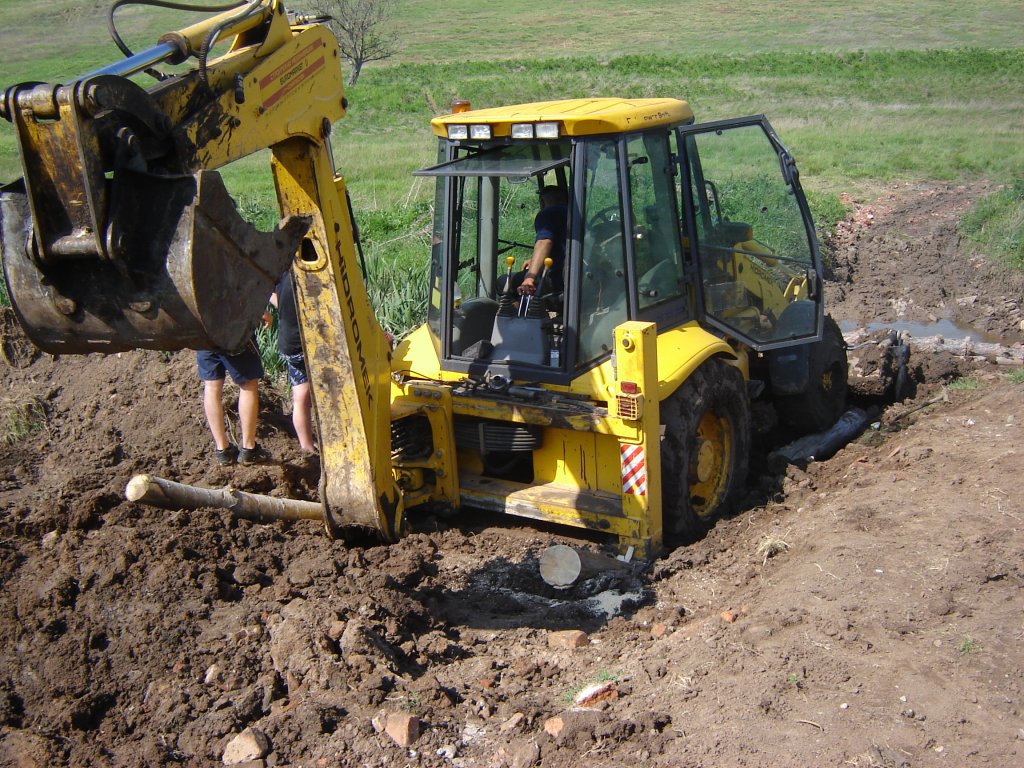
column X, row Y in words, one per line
column 249, row 411
column 302, row 410
column 213, row 406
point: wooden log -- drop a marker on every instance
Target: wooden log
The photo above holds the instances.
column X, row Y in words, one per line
column 965, row 347
column 167, row 494
column 562, row 566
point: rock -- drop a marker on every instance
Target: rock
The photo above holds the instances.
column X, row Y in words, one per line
column 659, row 630
column 594, row 695
column 380, row 721
column 524, row 754
column 336, row 630
column 568, row 638
column 728, row 616
column 403, row 728
column 448, row 751
column 250, row 744
column 554, row 726
column 512, row 722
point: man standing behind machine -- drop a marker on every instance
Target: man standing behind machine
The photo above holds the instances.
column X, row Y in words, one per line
column 246, row 370
column 289, row 344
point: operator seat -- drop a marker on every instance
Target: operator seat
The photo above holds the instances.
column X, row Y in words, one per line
column 473, row 322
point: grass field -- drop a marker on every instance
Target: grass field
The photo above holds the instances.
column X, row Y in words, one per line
column 861, row 93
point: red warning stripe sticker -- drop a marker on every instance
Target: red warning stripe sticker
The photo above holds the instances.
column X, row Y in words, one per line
column 634, row 469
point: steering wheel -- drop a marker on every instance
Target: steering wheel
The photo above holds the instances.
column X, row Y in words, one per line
column 609, row 215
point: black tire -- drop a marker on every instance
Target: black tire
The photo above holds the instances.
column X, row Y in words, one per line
column 824, row 400
column 705, row 451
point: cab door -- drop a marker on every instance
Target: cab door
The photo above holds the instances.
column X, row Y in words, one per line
column 750, row 234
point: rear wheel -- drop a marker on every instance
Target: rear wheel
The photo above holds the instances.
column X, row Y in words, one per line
column 818, row 408
column 706, row 447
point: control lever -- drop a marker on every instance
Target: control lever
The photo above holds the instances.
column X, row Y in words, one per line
column 524, row 306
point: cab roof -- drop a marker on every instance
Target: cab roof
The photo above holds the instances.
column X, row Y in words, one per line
column 578, row 117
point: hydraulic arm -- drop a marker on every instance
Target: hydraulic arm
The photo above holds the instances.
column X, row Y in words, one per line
column 122, row 235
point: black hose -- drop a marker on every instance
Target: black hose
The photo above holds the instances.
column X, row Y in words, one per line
column 204, row 50
column 119, row 42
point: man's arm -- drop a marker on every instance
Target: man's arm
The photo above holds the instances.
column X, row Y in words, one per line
column 542, row 249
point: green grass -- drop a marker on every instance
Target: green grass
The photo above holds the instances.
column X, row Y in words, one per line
column 965, row 383
column 861, row 94
column 1016, row 376
column 537, row 28
column 995, row 225
column 969, row 645
column 44, row 39
column 20, row 418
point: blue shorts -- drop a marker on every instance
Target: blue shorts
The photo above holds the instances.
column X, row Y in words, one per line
column 296, row 369
column 243, row 366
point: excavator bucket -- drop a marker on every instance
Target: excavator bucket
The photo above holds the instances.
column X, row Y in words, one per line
column 180, row 269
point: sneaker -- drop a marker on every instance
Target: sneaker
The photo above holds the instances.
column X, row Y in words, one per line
column 255, row 455
column 227, row 456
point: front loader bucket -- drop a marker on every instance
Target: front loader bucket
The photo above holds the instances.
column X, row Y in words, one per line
column 182, row 270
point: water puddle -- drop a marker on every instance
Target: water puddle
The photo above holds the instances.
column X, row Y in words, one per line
column 945, row 328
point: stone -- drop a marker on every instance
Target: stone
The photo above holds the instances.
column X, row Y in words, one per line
column 403, row 728
column 554, row 726
column 524, row 754
column 568, row 638
column 250, row 744
column 512, row 722
column 336, row 630
column 594, row 695
column 213, row 674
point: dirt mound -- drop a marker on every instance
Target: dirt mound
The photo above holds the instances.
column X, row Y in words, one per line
column 863, row 611
column 900, row 259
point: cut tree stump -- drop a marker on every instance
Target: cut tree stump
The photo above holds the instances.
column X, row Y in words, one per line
column 167, row 494
column 562, row 566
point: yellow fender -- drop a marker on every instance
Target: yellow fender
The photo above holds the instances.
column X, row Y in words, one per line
column 683, row 350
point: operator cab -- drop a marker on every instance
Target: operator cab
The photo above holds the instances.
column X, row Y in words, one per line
column 666, row 221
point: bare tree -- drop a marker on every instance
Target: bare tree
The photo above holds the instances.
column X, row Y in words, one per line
column 360, row 26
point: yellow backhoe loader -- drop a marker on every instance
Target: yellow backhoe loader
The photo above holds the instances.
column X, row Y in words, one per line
column 615, row 397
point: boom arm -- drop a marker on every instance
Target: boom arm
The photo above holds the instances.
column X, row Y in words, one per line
column 122, row 235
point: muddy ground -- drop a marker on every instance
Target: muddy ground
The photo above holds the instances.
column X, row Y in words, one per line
column 867, row 610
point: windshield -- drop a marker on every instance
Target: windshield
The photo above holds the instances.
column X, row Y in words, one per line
column 487, row 223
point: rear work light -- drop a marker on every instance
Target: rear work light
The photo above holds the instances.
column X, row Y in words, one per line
column 480, row 132
column 522, row 130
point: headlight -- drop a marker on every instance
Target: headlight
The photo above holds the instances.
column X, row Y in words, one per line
column 479, row 132
column 457, row 132
column 534, row 130
column 547, row 130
